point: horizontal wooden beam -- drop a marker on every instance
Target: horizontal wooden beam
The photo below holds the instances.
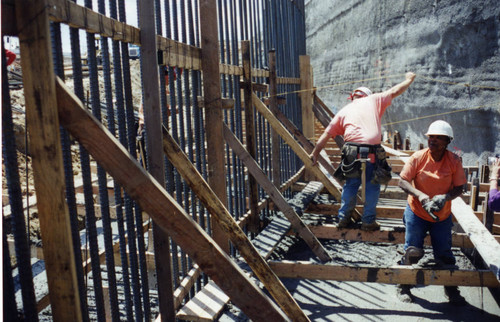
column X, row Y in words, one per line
column 230, row 69
column 389, row 275
column 288, row 80
column 333, row 209
column 384, row 235
column 258, row 87
column 281, row 101
column 382, row 211
column 78, row 16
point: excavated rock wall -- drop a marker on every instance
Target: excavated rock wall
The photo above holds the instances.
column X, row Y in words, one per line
column 452, row 46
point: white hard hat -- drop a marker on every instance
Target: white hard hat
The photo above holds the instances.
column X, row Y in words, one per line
column 440, row 127
column 362, row 90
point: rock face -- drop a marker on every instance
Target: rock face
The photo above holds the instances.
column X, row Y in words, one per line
column 452, row 46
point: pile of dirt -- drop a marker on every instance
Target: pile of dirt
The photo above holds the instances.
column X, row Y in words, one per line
column 23, row 156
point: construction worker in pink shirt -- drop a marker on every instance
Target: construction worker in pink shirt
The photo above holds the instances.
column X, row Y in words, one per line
column 359, row 123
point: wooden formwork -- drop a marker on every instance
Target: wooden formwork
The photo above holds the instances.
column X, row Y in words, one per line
column 54, row 105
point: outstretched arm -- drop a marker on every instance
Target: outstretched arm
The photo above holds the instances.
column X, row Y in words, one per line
column 403, row 86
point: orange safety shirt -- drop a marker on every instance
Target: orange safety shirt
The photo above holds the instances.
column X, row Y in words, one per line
column 433, row 178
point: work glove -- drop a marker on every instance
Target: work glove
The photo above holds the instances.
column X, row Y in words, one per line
column 430, row 207
column 423, row 198
column 439, row 201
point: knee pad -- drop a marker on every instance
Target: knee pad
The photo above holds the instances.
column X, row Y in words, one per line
column 412, row 255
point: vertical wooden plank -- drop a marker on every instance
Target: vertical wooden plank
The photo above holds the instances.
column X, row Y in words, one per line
column 475, row 193
column 273, row 106
column 306, row 96
column 407, row 144
column 153, row 128
column 45, row 147
column 213, row 109
column 253, row 221
column 306, row 99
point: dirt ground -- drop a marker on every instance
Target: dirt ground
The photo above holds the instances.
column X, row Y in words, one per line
column 24, row 159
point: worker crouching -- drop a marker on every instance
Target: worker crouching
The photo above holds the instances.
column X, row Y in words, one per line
column 432, row 177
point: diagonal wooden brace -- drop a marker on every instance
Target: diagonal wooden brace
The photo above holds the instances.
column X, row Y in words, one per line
column 217, row 209
column 164, row 210
column 259, row 175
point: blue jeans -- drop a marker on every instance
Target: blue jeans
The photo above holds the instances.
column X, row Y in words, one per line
column 417, row 228
column 350, row 190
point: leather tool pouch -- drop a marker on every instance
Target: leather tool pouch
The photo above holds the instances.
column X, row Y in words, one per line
column 382, row 173
column 349, row 167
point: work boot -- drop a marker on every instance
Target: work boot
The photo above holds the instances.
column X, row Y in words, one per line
column 454, row 296
column 412, row 255
column 404, row 294
column 344, row 222
column 371, row 226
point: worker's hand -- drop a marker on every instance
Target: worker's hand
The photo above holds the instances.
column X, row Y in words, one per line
column 410, row 75
column 495, row 170
column 423, row 198
column 314, row 158
column 439, row 201
column 431, row 207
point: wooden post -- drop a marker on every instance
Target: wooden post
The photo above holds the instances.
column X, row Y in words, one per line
column 306, row 99
column 484, row 173
column 273, row 106
column 45, row 148
column 164, row 210
column 213, row 109
column 475, row 191
column 473, row 194
column 253, row 221
column 407, row 144
column 153, row 127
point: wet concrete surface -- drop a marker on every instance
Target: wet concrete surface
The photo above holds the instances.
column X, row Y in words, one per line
column 359, row 301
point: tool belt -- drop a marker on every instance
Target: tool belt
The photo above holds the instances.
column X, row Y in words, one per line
column 350, row 164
